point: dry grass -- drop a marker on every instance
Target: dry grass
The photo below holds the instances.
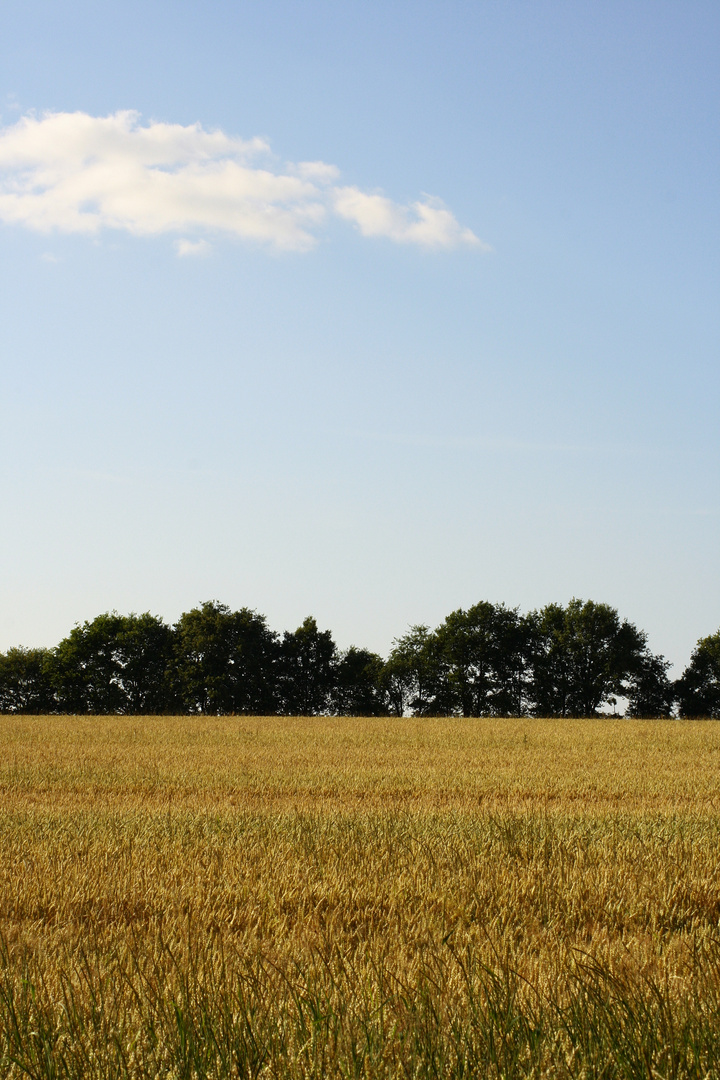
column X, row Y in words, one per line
column 199, row 897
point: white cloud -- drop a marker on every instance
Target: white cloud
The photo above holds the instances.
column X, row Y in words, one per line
column 76, row 173
column 319, row 171
column 192, row 247
column 427, row 222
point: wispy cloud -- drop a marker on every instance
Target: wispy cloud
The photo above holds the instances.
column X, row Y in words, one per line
column 426, row 222
column 192, row 247
column 76, row 173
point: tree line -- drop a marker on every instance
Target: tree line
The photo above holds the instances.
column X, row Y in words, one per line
column 576, row 660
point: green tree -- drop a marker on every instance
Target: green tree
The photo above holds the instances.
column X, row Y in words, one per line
column 114, row 664
column 649, row 691
column 87, row 666
column 308, row 658
column 146, row 653
column 413, row 676
column 357, row 684
column 583, row 657
column 484, row 656
column 225, row 661
column 25, row 683
column 698, row 689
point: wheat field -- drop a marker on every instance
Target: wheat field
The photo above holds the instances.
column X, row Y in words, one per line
column 321, row 897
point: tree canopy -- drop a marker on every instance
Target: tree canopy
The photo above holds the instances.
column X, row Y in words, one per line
column 698, row 691
column 573, row 660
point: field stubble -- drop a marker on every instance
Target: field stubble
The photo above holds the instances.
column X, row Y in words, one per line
column 211, row 897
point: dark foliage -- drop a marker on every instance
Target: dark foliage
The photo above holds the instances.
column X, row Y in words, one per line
column 25, row 682
column 583, row 658
column 650, row 693
column 307, row 664
column 698, row 691
column 357, row 685
column 489, row 660
column 484, row 654
column 410, row 676
column 115, row 664
column 225, row 661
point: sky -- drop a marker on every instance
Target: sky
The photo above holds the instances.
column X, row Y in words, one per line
column 363, row 310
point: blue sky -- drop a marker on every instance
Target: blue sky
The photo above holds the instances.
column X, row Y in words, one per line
column 476, row 358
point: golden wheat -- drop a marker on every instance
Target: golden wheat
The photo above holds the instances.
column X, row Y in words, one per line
column 191, row 896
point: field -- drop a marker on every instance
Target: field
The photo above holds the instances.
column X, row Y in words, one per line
column 237, row 896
